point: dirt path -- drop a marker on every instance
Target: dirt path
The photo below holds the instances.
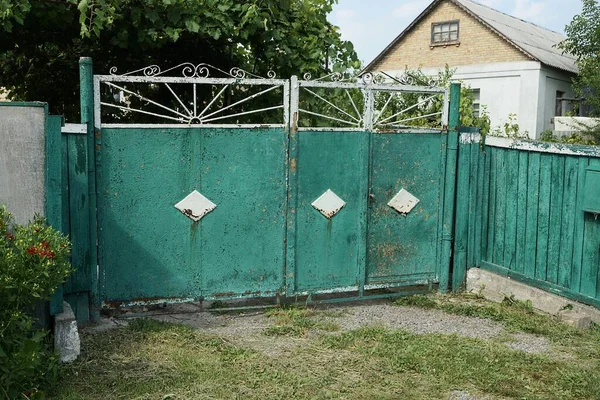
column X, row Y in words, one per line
column 247, row 329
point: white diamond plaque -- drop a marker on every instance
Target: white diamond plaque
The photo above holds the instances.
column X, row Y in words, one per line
column 403, row 202
column 195, row 206
column 328, row 204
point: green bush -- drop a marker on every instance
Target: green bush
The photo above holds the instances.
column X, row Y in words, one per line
column 34, row 260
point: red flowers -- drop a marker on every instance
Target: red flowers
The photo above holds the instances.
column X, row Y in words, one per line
column 48, row 254
column 45, row 245
column 9, row 236
column 31, row 250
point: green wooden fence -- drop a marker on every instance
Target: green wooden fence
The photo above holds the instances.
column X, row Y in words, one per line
column 521, row 213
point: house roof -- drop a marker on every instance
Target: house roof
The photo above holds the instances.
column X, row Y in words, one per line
column 536, row 42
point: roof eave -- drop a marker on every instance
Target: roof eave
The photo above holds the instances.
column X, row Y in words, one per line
column 496, row 31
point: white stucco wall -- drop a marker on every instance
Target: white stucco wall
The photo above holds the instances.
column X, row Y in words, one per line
column 524, row 88
column 553, row 80
column 22, row 161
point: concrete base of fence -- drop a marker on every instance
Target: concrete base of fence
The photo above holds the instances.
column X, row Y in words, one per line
column 66, row 335
column 495, row 288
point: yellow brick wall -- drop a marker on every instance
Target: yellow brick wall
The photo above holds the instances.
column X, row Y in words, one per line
column 478, row 44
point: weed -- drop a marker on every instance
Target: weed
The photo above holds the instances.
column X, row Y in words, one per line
column 297, row 321
column 417, row 301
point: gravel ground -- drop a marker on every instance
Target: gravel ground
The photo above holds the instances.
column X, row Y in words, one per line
column 246, row 328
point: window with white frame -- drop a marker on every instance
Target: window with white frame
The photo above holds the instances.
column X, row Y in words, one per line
column 444, row 32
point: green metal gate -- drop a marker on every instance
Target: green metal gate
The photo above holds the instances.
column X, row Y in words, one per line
column 266, row 187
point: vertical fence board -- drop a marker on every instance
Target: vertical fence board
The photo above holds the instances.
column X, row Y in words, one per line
column 522, row 211
column 510, row 233
column 66, row 224
column 462, row 216
column 79, row 221
column 492, row 204
column 532, row 214
column 576, row 268
column 567, row 232
column 589, row 267
column 485, row 209
column 481, row 183
column 555, row 226
column 543, row 216
column 500, row 213
column 473, row 203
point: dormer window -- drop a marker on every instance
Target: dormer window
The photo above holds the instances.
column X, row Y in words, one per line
column 444, row 32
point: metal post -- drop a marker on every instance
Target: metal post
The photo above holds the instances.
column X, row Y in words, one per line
column 86, row 98
column 292, row 187
column 368, row 109
column 450, row 185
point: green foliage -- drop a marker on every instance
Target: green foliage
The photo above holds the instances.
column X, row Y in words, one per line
column 510, row 129
column 574, row 138
column 33, row 262
column 297, row 321
column 38, row 56
column 418, row 109
column 583, row 41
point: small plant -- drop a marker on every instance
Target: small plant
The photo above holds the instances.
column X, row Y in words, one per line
column 297, row 321
column 34, row 260
column 422, row 301
column 574, row 138
column 510, row 129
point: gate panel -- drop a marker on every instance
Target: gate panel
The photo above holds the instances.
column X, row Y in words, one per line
column 241, row 250
column 328, row 251
column 144, row 245
column 404, row 248
column 151, row 251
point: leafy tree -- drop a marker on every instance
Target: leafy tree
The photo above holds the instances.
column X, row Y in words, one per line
column 583, row 41
column 443, row 79
column 41, row 41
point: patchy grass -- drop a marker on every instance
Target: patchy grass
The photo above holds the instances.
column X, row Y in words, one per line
column 156, row 360
column 516, row 316
column 299, row 321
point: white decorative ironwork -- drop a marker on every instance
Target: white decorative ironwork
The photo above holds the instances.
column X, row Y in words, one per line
column 332, row 77
column 328, row 204
column 372, row 78
column 406, row 79
column 331, row 102
column 195, row 206
column 373, row 101
column 403, row 202
column 192, row 98
column 400, row 118
column 351, row 118
column 190, row 70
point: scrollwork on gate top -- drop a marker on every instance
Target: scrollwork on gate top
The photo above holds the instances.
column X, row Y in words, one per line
column 332, row 77
column 405, row 79
column 190, row 70
column 377, row 78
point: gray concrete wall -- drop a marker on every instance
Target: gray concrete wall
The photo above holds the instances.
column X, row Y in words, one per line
column 22, row 163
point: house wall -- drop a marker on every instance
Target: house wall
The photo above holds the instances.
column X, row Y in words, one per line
column 477, row 44
column 505, row 88
column 551, row 81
